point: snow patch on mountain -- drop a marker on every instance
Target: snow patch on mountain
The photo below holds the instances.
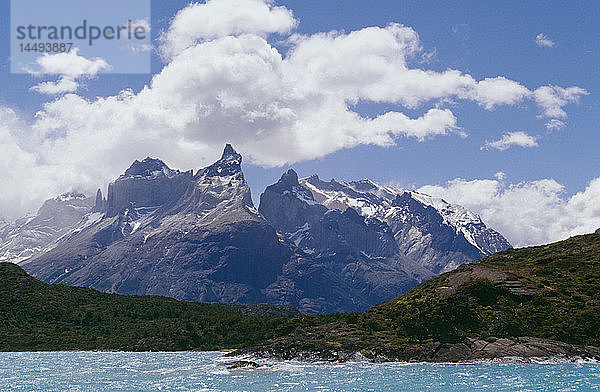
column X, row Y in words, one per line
column 420, row 222
column 69, row 196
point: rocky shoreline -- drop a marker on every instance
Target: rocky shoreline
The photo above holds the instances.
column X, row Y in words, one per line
column 510, row 350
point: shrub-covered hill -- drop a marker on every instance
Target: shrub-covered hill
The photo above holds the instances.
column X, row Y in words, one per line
column 532, row 302
column 39, row 316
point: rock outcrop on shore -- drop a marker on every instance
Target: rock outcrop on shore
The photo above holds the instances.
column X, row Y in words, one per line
column 522, row 349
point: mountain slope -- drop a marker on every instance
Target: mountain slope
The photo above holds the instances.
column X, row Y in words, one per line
column 32, row 235
column 541, row 301
column 437, row 235
column 362, row 251
column 165, row 232
column 38, row 316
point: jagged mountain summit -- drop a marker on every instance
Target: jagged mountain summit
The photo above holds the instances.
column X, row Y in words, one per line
column 438, row 235
column 320, row 246
column 197, row 236
column 32, row 235
column 165, row 232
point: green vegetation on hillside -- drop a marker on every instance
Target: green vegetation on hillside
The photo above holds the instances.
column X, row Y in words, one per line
column 39, row 316
column 550, row 292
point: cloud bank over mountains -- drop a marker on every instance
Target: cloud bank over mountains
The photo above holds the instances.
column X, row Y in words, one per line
column 527, row 213
column 226, row 80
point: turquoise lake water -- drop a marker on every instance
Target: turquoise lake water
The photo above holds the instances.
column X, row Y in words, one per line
column 204, row 371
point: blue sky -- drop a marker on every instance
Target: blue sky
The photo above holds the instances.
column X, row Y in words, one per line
column 491, row 39
column 481, row 39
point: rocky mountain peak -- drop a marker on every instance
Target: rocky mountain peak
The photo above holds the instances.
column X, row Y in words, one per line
column 230, row 164
column 229, row 153
column 146, row 168
column 98, row 195
column 290, row 176
column 288, row 185
column 149, row 183
column 100, row 202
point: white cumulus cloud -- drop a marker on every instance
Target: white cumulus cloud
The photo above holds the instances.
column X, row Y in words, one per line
column 224, row 81
column 542, row 40
column 553, row 99
column 512, row 139
column 491, row 92
column 220, row 18
column 61, row 86
column 69, row 67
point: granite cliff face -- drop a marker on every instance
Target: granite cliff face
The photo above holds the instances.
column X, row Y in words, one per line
column 146, row 185
column 165, row 232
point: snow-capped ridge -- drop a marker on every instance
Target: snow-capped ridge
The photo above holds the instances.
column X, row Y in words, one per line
column 34, row 234
column 68, row 196
column 454, row 214
column 412, row 215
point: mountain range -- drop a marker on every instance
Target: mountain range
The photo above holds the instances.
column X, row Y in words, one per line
column 438, row 235
column 320, row 246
